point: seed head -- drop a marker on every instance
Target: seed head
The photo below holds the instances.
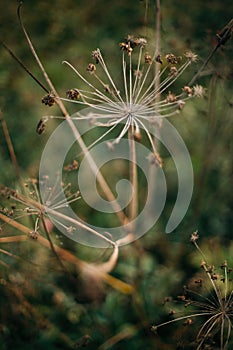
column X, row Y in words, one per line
column 41, row 125
column 172, row 59
column 48, row 100
column 91, row 68
column 148, row 58
column 188, row 90
column 139, row 100
column 194, row 236
column 191, row 56
column 210, row 298
column 96, row 56
column 198, row 91
column 73, row 94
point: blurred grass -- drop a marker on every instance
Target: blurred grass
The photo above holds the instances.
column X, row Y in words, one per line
column 39, row 305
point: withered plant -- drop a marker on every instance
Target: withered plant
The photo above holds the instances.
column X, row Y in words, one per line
column 208, row 303
column 128, row 110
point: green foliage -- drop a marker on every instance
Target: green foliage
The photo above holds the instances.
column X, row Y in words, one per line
column 41, row 305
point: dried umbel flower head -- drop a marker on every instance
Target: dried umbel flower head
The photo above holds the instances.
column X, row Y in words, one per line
column 210, row 298
column 29, row 204
column 139, row 100
column 57, row 196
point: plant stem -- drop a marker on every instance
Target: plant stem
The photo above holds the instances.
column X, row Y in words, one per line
column 224, row 35
column 11, row 150
column 152, row 169
column 133, row 209
column 65, row 255
column 101, row 180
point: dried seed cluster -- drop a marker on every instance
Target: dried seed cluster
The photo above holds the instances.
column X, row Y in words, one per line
column 139, row 99
column 210, row 298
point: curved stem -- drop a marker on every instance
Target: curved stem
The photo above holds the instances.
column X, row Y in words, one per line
column 67, row 256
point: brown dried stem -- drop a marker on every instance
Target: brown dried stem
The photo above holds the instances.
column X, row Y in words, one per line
column 103, row 183
column 11, row 150
column 224, row 35
column 97, row 270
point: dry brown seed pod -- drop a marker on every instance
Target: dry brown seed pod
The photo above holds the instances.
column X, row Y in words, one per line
column 173, row 71
column 133, row 42
column 48, row 100
column 91, row 67
column 158, row 59
column 171, row 97
column 71, row 167
column 171, row 58
column 188, row 322
column 41, row 126
column 126, row 47
column 188, row 90
column 148, row 58
column 96, row 56
column 73, row 94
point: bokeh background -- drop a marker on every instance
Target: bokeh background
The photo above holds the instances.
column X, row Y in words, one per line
column 61, row 312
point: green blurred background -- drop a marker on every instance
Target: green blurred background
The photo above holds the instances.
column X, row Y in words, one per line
column 159, row 264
